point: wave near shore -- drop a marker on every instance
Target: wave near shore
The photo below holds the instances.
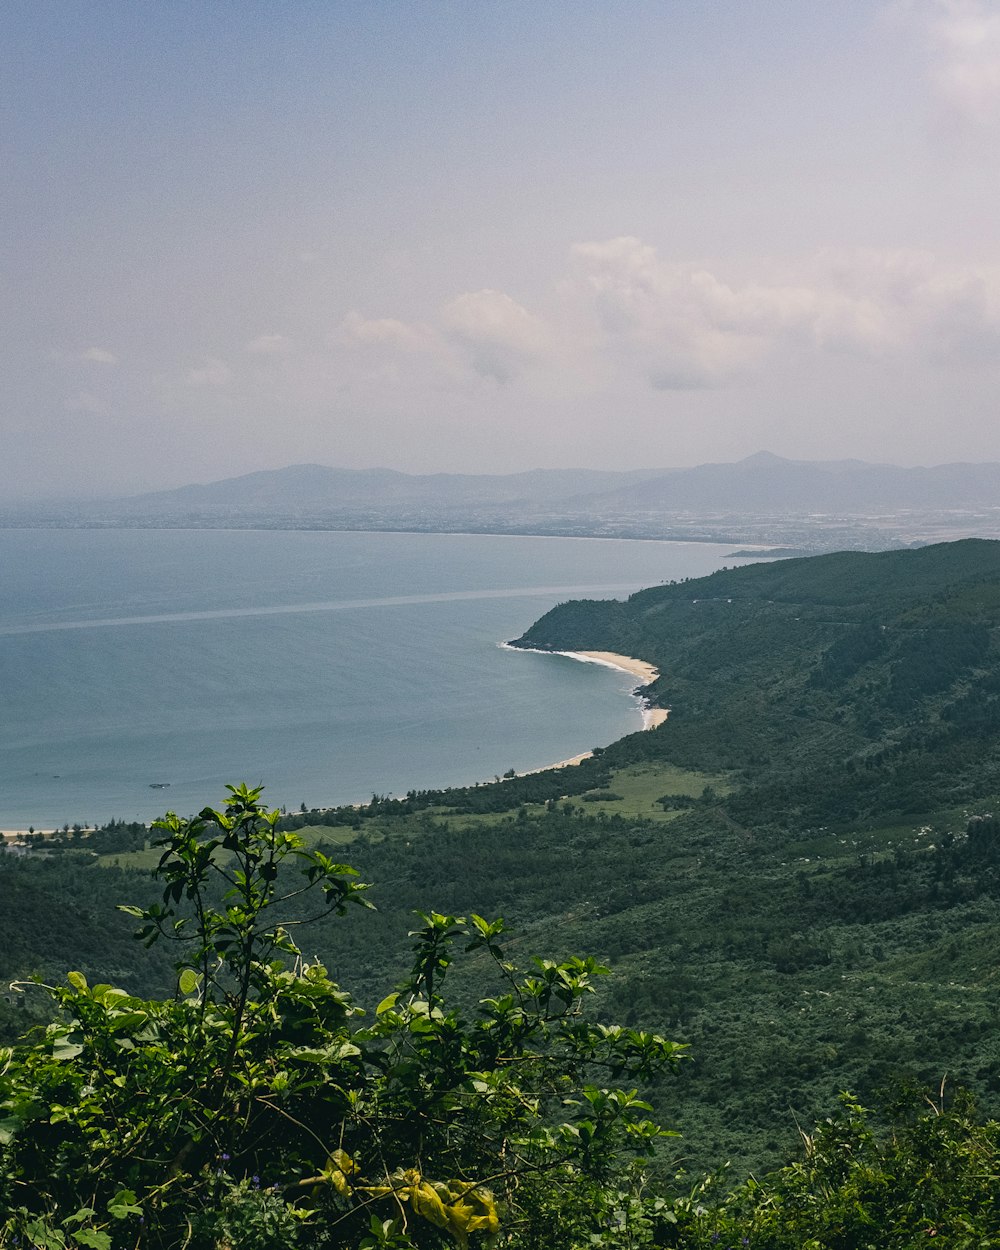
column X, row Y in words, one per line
column 645, row 672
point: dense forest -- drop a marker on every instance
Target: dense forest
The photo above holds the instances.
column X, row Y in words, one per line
column 796, row 878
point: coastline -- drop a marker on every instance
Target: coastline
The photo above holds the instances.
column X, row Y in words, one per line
column 339, row 740
column 646, row 673
column 651, row 716
column 14, row 835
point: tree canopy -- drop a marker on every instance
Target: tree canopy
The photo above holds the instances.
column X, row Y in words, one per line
column 255, row 1108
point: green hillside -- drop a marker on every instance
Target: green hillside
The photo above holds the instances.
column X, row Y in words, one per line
column 798, row 874
column 842, row 687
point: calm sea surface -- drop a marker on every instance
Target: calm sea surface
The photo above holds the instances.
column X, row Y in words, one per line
column 327, row 665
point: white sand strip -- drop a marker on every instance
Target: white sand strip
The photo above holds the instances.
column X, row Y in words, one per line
column 547, row 768
column 646, row 673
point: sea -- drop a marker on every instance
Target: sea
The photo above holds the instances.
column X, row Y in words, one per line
column 141, row 670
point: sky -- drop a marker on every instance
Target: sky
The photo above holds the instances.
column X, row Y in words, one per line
column 488, row 237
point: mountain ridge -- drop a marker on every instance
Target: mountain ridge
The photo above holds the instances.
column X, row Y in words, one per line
column 763, row 500
column 761, row 482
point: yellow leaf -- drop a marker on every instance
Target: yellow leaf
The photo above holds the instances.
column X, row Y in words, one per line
column 426, row 1202
column 344, row 1161
column 479, row 1212
column 338, row 1168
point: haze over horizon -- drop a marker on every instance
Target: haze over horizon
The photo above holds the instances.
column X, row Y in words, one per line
column 494, row 238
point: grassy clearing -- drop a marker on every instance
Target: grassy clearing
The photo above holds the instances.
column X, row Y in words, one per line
column 144, row 860
column 149, row 857
column 327, row 835
column 641, row 785
column 636, row 789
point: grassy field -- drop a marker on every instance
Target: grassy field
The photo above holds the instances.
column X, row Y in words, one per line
column 149, row 857
column 640, row 786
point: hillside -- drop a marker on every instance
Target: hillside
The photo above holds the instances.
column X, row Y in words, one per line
column 882, row 665
column 798, row 874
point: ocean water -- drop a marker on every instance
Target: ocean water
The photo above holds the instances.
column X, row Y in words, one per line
column 141, row 670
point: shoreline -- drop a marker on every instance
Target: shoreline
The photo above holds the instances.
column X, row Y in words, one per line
column 12, row 520
column 15, row 835
column 645, row 672
column 640, row 669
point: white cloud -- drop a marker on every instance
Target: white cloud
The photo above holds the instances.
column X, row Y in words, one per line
column 99, row 355
column 485, row 331
column 625, row 315
column 682, row 326
column 498, row 335
column 962, row 38
column 679, row 325
column 906, row 302
column 392, row 357
column 387, row 332
column 212, row 372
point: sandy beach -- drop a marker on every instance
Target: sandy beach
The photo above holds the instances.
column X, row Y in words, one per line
column 546, row 768
column 15, row 835
column 646, row 673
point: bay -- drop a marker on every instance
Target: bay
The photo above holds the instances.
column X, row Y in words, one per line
column 141, row 670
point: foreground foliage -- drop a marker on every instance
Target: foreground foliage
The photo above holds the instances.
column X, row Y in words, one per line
column 254, row 1109
column 930, row 1180
column 259, row 1108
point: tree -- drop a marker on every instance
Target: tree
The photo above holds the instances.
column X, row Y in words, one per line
column 256, row 1109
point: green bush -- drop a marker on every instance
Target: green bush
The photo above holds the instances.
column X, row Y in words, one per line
column 253, row 1109
column 930, row 1180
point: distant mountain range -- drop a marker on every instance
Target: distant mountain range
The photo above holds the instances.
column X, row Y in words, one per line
column 314, row 488
column 764, row 500
column 762, row 484
column 766, row 483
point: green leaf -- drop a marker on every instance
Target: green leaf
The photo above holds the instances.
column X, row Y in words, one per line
column 189, row 981
column 64, row 1048
column 85, row 1213
column 387, row 1004
column 123, row 1205
column 122, row 1021
column 77, row 980
column 93, row 1237
column 44, row 1236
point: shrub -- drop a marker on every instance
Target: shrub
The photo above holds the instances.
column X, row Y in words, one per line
column 254, row 1109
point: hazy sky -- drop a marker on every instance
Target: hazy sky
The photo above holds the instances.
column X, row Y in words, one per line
column 491, row 236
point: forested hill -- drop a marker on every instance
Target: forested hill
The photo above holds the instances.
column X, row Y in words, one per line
column 869, row 585
column 798, row 874
column 844, row 686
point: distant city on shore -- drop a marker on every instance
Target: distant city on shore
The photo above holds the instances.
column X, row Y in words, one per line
column 797, row 506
